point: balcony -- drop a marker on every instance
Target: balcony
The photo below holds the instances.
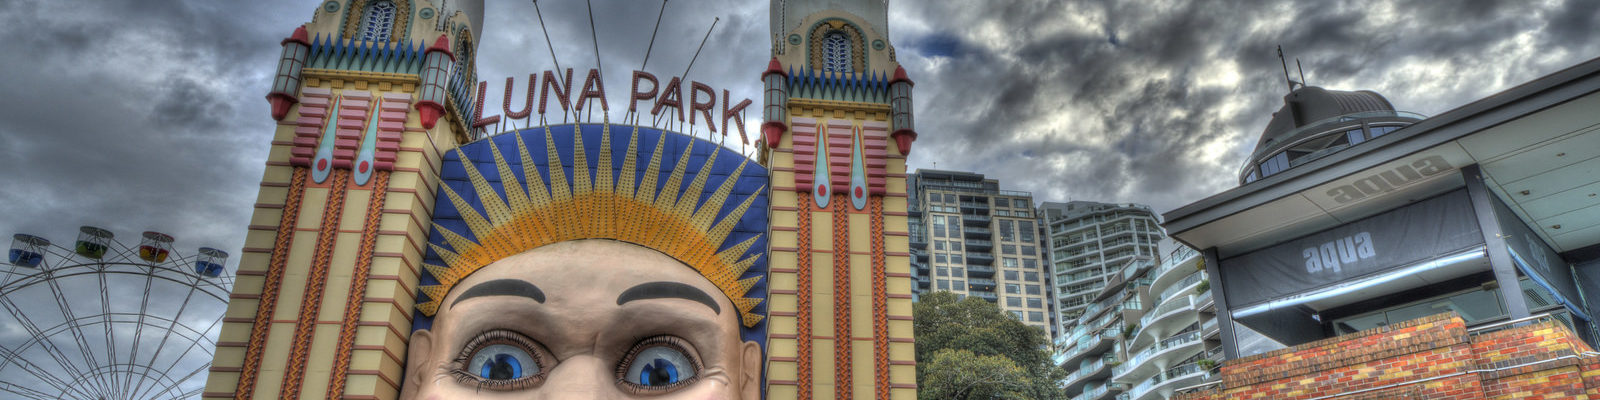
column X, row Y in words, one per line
column 980, row 284
column 1153, row 359
column 980, row 271
column 920, row 255
column 1170, row 271
column 1098, row 392
column 1185, row 286
column 1208, row 328
column 980, row 258
column 975, row 220
column 977, row 232
column 1162, row 385
column 1092, row 345
column 974, row 206
column 1098, row 370
column 922, row 281
column 990, row 296
column 1170, row 316
column 976, row 244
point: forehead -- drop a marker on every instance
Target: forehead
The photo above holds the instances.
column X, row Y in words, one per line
column 589, row 267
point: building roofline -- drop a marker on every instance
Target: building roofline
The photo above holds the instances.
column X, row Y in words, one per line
column 1539, row 94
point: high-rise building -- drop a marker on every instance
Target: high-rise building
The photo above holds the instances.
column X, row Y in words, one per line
column 1149, row 331
column 1089, row 244
column 973, row 239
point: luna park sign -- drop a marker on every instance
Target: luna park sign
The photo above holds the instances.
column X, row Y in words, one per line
column 556, row 94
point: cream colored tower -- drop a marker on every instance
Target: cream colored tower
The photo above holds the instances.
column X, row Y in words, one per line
column 367, row 95
column 837, row 129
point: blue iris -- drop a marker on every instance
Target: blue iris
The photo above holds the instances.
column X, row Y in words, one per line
column 501, row 367
column 658, row 372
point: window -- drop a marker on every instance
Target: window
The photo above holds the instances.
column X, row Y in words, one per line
column 1013, row 301
column 1035, row 302
column 1033, row 289
column 1005, row 231
column 943, row 271
column 377, row 21
column 1035, row 316
column 1009, row 262
column 958, row 271
column 1382, row 130
column 940, row 258
column 999, row 202
column 1016, row 314
column 959, row 285
column 1030, row 276
column 938, row 228
column 1354, row 136
column 956, row 259
column 1011, row 275
column 934, row 198
column 1030, row 263
column 1024, row 213
column 1008, row 249
column 1029, row 251
column 944, row 284
column 1276, row 164
column 836, row 53
column 938, row 245
column 1012, row 288
column 955, row 246
column 954, row 222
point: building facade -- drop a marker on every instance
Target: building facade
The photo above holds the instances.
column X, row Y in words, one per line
column 1146, row 332
column 1355, row 220
column 973, row 239
column 367, row 96
column 837, row 130
column 1089, row 243
column 374, row 99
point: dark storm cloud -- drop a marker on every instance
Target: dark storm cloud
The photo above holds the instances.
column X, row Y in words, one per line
column 1158, row 102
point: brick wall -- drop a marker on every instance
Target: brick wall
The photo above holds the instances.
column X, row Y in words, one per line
column 1434, row 357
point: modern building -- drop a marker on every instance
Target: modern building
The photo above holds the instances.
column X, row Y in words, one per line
column 1354, row 218
column 1089, row 243
column 971, row 238
column 1149, row 331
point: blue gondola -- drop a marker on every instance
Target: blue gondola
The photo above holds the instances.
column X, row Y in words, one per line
column 28, row 250
column 210, row 262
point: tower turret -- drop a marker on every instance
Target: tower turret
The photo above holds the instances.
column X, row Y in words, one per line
column 776, row 95
column 905, row 131
column 286, row 84
column 435, row 74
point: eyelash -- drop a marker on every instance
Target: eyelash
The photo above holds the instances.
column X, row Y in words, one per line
column 484, row 340
column 641, row 345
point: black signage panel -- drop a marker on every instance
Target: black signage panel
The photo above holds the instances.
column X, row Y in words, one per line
column 1417, row 232
column 1535, row 257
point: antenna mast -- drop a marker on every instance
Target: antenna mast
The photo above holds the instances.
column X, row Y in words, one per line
column 1285, row 63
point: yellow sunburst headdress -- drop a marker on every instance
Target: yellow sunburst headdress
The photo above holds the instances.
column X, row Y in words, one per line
column 721, row 240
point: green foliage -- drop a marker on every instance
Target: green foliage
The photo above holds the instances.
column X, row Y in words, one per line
column 959, row 341
column 1202, row 287
column 1205, row 364
column 1127, row 330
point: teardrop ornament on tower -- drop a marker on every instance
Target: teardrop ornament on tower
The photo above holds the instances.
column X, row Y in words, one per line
column 322, row 163
column 365, row 161
column 858, row 172
column 822, row 180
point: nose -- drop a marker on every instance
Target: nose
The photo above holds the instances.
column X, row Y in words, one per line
column 580, row 378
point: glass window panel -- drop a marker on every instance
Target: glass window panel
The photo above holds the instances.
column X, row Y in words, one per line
column 1035, row 302
column 1035, row 316
column 1013, row 301
column 1005, row 231
column 940, row 258
column 1012, row 288
column 1030, row 263
column 1026, row 230
column 1011, row 275
column 958, row 285
column 938, row 245
column 1009, row 262
column 1030, row 276
column 1033, row 289
column 944, row 284
column 1029, row 250
column 1009, row 249
column 956, row 259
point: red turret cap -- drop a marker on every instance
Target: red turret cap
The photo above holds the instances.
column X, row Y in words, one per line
column 299, row 36
column 441, row 44
column 900, row 76
column 774, row 67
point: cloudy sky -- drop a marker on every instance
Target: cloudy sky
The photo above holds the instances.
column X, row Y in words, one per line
column 136, row 115
column 133, row 116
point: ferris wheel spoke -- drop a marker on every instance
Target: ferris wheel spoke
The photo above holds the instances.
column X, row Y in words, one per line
column 33, row 369
column 144, row 309
column 73, row 326
column 178, row 382
column 44, row 341
column 174, row 325
column 110, row 329
column 196, row 343
column 24, row 391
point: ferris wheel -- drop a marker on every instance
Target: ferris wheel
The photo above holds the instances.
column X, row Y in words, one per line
column 103, row 320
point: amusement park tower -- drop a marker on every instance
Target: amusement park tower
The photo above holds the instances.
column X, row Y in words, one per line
column 837, row 130
column 367, row 96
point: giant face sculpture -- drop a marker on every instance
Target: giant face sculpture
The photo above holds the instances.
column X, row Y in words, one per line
column 635, row 280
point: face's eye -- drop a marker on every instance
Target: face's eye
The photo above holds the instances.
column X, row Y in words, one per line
column 659, row 364
column 502, row 360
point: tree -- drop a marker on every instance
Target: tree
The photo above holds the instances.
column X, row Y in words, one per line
column 958, row 339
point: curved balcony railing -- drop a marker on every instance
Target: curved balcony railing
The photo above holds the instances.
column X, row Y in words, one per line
column 1183, row 303
column 1152, row 352
column 1276, row 142
column 1186, row 284
column 1182, row 374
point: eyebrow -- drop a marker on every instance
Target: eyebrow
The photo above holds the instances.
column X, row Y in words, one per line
column 668, row 290
column 502, row 287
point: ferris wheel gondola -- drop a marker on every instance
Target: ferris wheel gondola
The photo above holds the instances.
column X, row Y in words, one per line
column 104, row 320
